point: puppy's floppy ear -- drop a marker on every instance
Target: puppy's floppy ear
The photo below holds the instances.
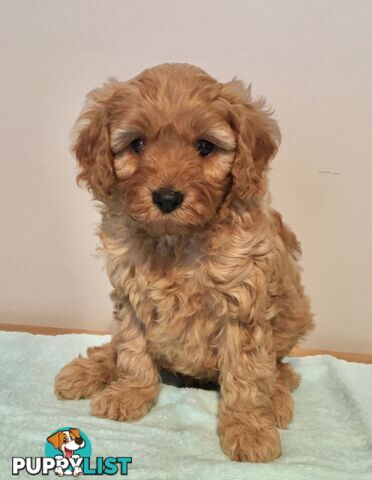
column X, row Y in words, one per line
column 56, row 440
column 258, row 139
column 75, row 432
column 91, row 143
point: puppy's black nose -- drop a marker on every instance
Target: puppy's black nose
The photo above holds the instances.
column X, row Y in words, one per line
column 167, row 199
column 79, row 440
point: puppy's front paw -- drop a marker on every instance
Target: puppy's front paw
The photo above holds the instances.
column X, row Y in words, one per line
column 123, row 403
column 245, row 445
column 58, row 471
column 77, row 471
column 248, row 438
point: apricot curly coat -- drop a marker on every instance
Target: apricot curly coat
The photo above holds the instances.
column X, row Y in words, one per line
column 212, row 289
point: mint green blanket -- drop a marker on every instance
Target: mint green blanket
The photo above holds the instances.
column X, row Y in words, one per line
column 330, row 438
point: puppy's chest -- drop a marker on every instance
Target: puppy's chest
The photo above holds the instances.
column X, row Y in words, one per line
column 183, row 296
column 174, row 298
column 174, row 285
column 170, row 287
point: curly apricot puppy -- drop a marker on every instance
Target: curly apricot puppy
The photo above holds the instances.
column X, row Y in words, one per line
column 205, row 273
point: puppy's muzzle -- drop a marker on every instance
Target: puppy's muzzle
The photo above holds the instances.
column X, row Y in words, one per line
column 167, row 199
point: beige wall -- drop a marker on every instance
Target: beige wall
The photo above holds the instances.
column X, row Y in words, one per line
column 312, row 60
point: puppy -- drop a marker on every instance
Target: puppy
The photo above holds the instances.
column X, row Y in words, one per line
column 205, row 274
column 67, row 441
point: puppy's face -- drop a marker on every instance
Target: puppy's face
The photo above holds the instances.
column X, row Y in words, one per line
column 172, row 155
column 169, row 146
column 68, row 441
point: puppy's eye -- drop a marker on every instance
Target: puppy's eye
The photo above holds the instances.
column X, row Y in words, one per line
column 204, row 147
column 138, row 145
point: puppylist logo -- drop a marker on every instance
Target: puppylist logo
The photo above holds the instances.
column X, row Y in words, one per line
column 68, row 452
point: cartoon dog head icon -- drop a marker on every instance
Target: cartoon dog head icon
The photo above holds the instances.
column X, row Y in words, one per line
column 67, row 441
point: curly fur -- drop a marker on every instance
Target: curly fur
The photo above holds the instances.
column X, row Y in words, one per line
column 211, row 290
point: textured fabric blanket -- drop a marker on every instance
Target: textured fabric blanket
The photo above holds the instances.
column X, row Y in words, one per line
column 330, row 437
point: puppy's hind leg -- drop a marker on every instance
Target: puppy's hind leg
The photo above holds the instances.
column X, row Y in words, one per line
column 85, row 376
column 287, row 376
column 283, row 405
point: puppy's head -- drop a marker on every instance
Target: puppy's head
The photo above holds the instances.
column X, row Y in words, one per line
column 67, row 441
column 169, row 147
